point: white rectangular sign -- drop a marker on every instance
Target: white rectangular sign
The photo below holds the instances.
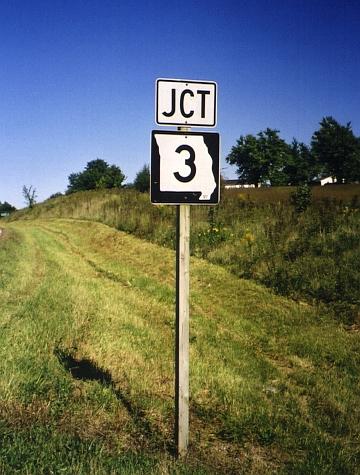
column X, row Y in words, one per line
column 186, row 102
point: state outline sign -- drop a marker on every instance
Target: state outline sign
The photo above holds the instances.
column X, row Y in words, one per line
column 185, row 168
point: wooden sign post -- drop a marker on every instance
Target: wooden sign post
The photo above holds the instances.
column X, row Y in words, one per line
column 185, row 171
column 182, row 329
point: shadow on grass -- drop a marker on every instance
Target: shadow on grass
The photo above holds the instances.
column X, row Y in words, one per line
column 86, row 370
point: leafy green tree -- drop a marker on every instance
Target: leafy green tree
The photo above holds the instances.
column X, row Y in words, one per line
column 97, row 174
column 142, row 179
column 29, row 193
column 247, row 157
column 6, row 207
column 301, row 166
column 261, row 158
column 337, row 149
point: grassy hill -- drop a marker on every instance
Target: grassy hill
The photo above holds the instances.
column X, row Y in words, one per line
column 86, row 354
column 310, row 255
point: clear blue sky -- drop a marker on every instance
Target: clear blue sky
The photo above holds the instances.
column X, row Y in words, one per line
column 77, row 77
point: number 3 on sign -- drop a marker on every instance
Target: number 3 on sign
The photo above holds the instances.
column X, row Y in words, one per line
column 190, row 162
column 184, row 167
column 185, row 164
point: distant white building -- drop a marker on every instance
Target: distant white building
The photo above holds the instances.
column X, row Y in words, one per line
column 326, row 180
column 233, row 184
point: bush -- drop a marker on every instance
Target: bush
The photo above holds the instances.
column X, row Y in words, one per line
column 301, row 198
column 142, row 180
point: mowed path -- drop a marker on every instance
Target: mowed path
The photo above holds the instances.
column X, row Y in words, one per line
column 87, row 351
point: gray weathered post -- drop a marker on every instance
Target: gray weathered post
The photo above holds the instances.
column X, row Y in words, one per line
column 182, row 330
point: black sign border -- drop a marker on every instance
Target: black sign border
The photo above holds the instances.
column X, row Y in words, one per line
column 212, row 141
column 186, row 123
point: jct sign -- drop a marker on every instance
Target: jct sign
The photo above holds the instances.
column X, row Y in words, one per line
column 188, row 103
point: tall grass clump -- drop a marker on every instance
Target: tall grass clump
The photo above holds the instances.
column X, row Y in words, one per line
column 309, row 251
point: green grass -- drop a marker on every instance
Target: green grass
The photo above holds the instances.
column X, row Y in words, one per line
column 86, row 354
column 255, row 233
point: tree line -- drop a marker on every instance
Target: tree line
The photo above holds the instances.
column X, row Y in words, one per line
column 98, row 174
column 264, row 158
column 267, row 159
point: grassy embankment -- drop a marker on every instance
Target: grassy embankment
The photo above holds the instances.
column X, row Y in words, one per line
column 255, row 233
column 86, row 357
